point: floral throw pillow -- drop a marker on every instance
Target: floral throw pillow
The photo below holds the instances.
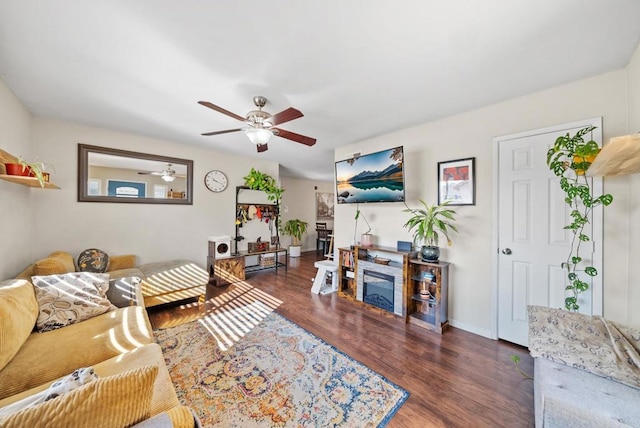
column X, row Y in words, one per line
column 70, row 298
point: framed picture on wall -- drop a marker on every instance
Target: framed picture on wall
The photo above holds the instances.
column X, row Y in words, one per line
column 457, row 182
column 324, row 206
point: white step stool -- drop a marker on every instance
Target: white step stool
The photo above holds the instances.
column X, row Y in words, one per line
column 319, row 283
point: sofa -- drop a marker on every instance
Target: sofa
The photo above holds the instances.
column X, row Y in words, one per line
column 586, row 370
column 133, row 386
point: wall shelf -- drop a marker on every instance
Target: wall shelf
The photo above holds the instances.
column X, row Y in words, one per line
column 19, row 179
column 26, row 181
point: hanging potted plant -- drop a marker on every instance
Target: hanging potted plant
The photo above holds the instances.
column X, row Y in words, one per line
column 295, row 228
column 427, row 224
column 569, row 159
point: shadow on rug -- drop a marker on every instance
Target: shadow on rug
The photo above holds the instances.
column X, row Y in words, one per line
column 275, row 374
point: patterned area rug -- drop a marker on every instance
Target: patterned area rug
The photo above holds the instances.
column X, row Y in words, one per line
column 274, row 374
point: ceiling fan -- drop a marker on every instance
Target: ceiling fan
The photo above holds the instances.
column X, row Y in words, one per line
column 261, row 125
column 168, row 174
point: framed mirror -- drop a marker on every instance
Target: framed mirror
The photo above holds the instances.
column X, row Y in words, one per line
column 113, row 175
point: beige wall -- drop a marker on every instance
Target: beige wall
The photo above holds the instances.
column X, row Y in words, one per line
column 633, row 283
column 299, row 201
column 153, row 232
column 470, row 135
column 15, row 200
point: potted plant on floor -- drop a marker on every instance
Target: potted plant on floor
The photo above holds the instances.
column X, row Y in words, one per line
column 429, row 223
column 295, row 228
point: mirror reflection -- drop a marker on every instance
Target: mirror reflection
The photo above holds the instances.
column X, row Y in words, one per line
column 112, row 175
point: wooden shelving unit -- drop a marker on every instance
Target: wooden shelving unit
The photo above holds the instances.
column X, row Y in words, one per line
column 429, row 287
column 347, row 262
column 18, row 179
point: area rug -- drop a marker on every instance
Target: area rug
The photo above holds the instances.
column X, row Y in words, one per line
column 276, row 374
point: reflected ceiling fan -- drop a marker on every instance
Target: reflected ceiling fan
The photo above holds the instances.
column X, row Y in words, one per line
column 261, row 125
column 168, row 174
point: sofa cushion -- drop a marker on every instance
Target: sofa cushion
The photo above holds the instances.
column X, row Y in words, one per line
column 70, row 298
column 75, row 380
column 78, row 345
column 56, row 263
column 93, row 260
column 164, row 395
column 124, row 291
column 115, row 401
column 126, row 261
column 18, row 314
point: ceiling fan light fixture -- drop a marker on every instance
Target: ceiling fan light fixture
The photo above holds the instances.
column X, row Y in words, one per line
column 168, row 178
column 258, row 136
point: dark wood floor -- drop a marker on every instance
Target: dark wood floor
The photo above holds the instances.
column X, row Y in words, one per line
column 458, row 379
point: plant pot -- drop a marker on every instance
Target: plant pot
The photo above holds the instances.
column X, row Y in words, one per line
column 430, row 253
column 294, row 251
column 366, row 240
column 17, row 169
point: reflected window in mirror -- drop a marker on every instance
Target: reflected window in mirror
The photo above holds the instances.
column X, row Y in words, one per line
column 113, row 175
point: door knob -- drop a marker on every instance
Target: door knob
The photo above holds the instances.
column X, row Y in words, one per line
column 506, row 251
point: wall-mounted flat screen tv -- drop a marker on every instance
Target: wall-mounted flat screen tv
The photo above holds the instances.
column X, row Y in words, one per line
column 375, row 177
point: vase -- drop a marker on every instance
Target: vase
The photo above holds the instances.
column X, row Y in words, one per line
column 366, row 240
column 430, row 253
column 17, row 169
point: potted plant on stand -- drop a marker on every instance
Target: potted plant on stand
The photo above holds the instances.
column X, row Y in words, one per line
column 429, row 223
column 295, row 228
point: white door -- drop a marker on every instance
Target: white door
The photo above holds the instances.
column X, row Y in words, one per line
column 531, row 240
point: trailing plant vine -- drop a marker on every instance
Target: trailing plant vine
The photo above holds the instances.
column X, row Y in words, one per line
column 569, row 159
column 257, row 180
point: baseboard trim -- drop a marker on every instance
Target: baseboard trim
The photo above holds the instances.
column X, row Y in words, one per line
column 484, row 332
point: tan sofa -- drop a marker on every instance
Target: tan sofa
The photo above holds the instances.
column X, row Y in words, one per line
column 113, row 343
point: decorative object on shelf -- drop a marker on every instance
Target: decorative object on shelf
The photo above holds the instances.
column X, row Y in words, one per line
column 366, row 239
column 259, row 245
column 28, row 169
column 216, row 181
column 569, row 158
column 429, row 223
column 381, row 260
column 456, row 182
column 295, row 228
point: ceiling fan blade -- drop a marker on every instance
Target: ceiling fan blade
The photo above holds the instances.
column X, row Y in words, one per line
column 285, row 116
column 207, row 134
column 262, row 148
column 295, row 137
column 144, row 172
column 221, row 110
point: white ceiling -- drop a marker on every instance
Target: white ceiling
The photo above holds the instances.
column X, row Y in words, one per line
column 356, row 69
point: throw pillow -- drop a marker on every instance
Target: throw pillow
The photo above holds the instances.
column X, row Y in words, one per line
column 122, row 291
column 70, row 298
column 18, row 313
column 56, row 263
column 115, row 401
column 93, row 260
column 62, row 386
column 126, row 261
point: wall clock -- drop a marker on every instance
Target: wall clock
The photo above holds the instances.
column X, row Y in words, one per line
column 215, row 181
